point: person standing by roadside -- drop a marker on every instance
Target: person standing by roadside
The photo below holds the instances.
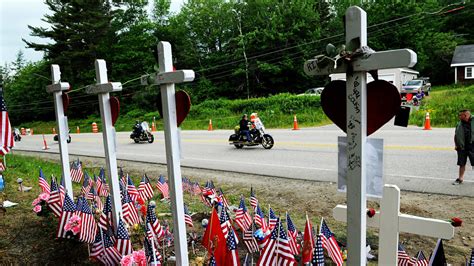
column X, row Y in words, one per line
column 464, row 143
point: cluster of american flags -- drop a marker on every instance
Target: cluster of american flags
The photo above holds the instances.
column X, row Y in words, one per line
column 278, row 244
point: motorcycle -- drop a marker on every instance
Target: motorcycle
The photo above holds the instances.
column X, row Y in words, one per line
column 257, row 135
column 141, row 132
column 68, row 140
column 16, row 134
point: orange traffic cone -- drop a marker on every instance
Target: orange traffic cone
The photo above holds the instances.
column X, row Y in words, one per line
column 45, row 145
column 295, row 123
column 153, row 127
column 427, row 122
column 210, row 125
column 78, row 130
column 54, row 130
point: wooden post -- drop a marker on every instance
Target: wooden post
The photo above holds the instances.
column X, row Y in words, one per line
column 166, row 78
column 56, row 88
column 102, row 88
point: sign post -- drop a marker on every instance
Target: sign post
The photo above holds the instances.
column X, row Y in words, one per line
column 391, row 222
column 57, row 88
column 356, row 119
column 166, row 78
column 102, row 88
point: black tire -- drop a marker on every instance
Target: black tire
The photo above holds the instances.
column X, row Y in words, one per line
column 239, row 146
column 267, row 142
column 68, row 139
column 151, row 138
column 427, row 93
column 136, row 140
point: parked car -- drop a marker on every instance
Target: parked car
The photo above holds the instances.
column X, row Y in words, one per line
column 312, row 92
column 417, row 85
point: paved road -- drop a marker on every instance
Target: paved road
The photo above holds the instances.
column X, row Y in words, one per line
column 414, row 159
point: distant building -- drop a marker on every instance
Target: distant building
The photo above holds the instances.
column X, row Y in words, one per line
column 396, row 76
column 463, row 63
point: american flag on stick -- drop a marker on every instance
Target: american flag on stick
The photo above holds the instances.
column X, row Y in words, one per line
column 54, row 201
column 225, row 222
column 292, row 235
column 187, row 217
column 277, row 249
column 68, row 210
column 162, row 186
column 6, row 134
column 88, row 223
column 330, row 244
column 253, row 199
column 97, row 249
column 123, row 243
column 318, row 253
column 260, row 218
column 112, row 256
column 44, row 185
column 242, row 217
column 130, row 213
column 232, row 253
column 86, row 185
column 250, row 241
column 145, row 189
column 105, row 219
column 132, row 190
column 76, row 171
column 403, row 258
column 154, row 223
column 272, row 219
column 420, row 259
column 102, row 186
column 222, row 199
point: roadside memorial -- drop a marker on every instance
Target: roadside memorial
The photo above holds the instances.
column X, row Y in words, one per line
column 361, row 114
column 109, row 109
column 61, row 103
column 166, row 77
column 391, row 222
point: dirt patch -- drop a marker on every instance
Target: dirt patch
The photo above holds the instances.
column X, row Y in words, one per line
column 317, row 199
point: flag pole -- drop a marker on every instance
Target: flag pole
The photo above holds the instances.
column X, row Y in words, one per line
column 152, row 246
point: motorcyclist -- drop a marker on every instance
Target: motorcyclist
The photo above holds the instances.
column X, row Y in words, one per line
column 244, row 127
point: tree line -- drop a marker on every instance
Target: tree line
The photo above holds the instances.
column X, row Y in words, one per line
column 238, row 49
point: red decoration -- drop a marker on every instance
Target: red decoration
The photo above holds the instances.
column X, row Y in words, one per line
column 370, row 213
column 383, row 102
column 114, row 108
column 183, row 105
column 65, row 98
column 456, row 221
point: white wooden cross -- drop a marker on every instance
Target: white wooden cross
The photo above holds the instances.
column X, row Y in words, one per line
column 166, row 78
column 391, row 222
column 356, row 86
column 57, row 88
column 102, row 88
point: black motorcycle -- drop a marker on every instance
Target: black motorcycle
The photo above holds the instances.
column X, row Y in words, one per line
column 141, row 132
column 257, row 135
column 68, row 140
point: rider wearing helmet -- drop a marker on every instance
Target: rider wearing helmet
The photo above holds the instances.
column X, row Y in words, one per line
column 244, row 127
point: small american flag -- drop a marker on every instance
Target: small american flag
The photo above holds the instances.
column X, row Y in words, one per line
column 292, row 235
column 272, row 219
column 420, row 259
column 253, row 199
column 97, row 248
column 68, row 210
column 132, row 190
column 123, row 243
column 112, row 255
column 209, row 189
column 330, row 244
column 105, row 219
column 6, row 134
column 250, row 241
column 162, row 186
column 285, row 256
column 43, row 183
column 76, row 171
column 88, row 223
column 222, row 199
column 242, row 217
column 145, row 189
column 187, row 217
column 225, row 222
column 130, row 213
column 277, row 249
column 196, row 189
column 232, row 254
column 151, row 219
column 318, row 255
column 102, row 186
column 86, row 185
column 260, row 218
column 151, row 252
column 96, row 199
column 403, row 258
column 54, row 201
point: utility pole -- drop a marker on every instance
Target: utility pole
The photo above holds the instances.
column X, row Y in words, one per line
column 245, row 54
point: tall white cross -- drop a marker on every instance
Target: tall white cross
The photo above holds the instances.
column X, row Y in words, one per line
column 166, row 78
column 57, row 88
column 356, row 86
column 391, row 222
column 102, row 88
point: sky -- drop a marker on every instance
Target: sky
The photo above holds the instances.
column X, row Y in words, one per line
column 16, row 15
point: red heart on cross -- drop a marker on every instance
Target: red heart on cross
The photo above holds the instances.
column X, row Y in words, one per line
column 383, row 103
column 114, row 109
column 65, row 98
column 183, row 106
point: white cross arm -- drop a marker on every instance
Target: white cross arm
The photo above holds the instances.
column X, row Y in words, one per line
column 104, row 88
column 313, row 67
column 178, row 76
column 61, row 86
column 406, row 223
